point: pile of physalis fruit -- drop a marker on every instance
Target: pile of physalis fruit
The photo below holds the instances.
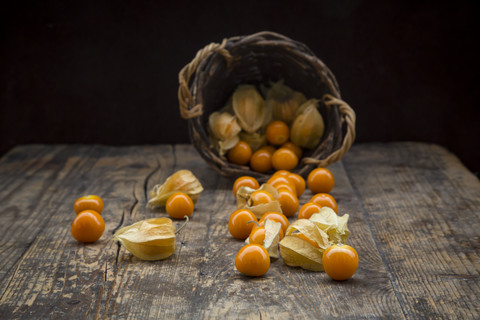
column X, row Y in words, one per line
column 315, row 241
column 154, row 239
column 265, row 129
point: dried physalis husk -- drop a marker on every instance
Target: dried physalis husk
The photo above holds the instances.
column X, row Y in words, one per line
column 297, row 252
column 336, row 227
column 272, row 237
column 284, row 102
column 244, row 202
column 181, row 181
column 309, row 230
column 223, row 125
column 151, row 239
column 249, row 108
column 223, row 146
column 224, row 130
column 306, row 240
column 303, row 245
column 255, row 140
column 308, row 126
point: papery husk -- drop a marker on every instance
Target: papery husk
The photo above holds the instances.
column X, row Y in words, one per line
column 223, row 125
column 324, row 228
column 310, row 230
column 243, row 200
column 255, row 140
column 272, row 238
column 335, row 226
column 308, row 127
column 261, row 209
column 224, row 131
column 151, row 239
column 222, row 146
column 181, row 181
column 297, row 252
column 284, row 102
column 249, row 108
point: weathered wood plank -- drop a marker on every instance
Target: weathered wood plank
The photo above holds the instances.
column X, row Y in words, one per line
column 51, row 275
column 423, row 209
column 54, row 275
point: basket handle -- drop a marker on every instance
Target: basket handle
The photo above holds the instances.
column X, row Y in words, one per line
column 185, row 75
column 347, row 116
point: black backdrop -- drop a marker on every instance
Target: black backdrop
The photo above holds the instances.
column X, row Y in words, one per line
column 106, row 72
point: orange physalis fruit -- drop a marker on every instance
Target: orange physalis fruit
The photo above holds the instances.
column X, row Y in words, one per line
column 325, row 200
column 308, row 209
column 284, row 159
column 288, row 202
column 179, row 205
column 320, row 180
column 252, row 260
column 90, row 202
column 277, row 132
column 340, row 261
column 240, row 154
column 261, row 161
column 245, row 181
column 240, row 225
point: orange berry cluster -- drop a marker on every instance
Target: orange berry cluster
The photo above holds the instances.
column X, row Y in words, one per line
column 88, row 225
column 253, row 259
column 280, row 154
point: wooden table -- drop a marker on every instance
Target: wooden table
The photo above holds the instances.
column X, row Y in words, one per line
column 414, row 220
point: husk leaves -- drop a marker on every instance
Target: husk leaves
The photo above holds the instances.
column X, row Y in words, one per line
column 151, row 239
column 181, row 181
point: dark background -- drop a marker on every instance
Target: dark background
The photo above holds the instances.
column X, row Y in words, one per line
column 107, row 72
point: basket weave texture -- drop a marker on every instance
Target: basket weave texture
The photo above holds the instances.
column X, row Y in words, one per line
column 206, row 83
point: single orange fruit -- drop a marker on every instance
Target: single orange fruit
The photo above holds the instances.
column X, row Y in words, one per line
column 340, row 261
column 240, row 154
column 292, row 146
column 90, row 202
column 252, row 260
column 308, row 209
column 320, row 180
column 261, row 161
column 284, row 159
column 277, row 132
column 179, row 205
column 257, row 235
column 260, row 197
column 288, row 202
column 240, row 225
column 245, row 181
column 88, row 226
column 325, row 200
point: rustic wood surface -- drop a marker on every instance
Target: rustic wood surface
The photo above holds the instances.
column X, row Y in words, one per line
column 414, row 220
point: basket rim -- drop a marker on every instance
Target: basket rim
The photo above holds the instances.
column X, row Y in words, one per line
column 192, row 110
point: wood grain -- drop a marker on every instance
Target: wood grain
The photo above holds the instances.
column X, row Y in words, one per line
column 413, row 219
column 423, row 209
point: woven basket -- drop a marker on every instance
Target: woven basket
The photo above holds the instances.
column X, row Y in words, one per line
column 206, row 83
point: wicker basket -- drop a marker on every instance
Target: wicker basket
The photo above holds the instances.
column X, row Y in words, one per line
column 206, row 83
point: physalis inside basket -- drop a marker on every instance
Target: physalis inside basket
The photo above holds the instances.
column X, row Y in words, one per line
column 266, row 128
